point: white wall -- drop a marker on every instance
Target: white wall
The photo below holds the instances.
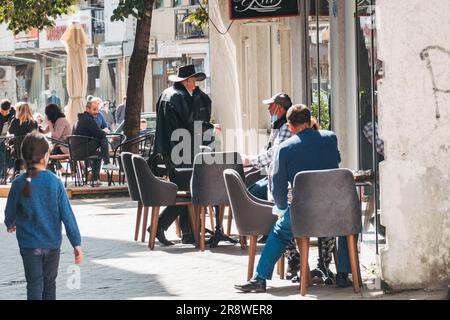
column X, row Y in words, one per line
column 415, row 181
column 163, row 24
column 6, row 39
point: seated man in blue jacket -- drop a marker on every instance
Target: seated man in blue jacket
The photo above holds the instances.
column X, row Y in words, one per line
column 87, row 126
column 307, row 150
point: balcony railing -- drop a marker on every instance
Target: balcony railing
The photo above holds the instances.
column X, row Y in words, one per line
column 186, row 30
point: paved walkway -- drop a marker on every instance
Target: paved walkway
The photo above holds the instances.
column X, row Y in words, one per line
column 116, row 267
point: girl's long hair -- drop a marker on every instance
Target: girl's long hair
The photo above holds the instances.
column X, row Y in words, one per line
column 24, row 113
column 34, row 149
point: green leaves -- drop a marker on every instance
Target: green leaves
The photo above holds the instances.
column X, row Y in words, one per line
column 23, row 15
column 199, row 17
column 135, row 8
column 324, row 108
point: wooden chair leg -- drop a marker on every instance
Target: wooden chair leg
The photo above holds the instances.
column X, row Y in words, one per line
column 230, row 220
column 251, row 256
column 154, row 227
column 303, row 244
column 354, row 262
column 138, row 221
column 193, row 215
column 144, row 224
column 177, row 227
column 281, row 267
column 202, row 228
column 243, row 241
column 278, row 267
column 212, row 215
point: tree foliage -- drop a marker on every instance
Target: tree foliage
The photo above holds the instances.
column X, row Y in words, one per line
column 200, row 16
column 23, row 15
column 324, row 109
column 135, row 8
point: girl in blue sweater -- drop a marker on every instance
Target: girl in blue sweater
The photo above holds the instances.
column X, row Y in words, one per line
column 37, row 204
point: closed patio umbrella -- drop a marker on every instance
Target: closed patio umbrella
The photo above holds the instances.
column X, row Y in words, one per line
column 75, row 41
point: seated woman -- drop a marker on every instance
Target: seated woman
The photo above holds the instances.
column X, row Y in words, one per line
column 20, row 127
column 58, row 126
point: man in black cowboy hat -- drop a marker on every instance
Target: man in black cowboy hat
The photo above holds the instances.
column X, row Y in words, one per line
column 178, row 107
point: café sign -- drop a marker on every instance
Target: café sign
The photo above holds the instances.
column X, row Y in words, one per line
column 257, row 9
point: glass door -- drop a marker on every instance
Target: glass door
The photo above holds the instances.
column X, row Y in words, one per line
column 318, row 59
column 371, row 148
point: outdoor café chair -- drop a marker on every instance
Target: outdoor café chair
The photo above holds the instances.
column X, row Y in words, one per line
column 133, row 189
column 253, row 216
column 208, row 187
column 79, row 152
column 156, row 193
column 56, row 160
column 325, row 204
column 142, row 145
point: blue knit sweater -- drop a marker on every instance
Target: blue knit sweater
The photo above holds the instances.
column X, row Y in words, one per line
column 38, row 218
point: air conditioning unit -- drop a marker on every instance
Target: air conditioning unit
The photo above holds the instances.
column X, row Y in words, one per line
column 5, row 74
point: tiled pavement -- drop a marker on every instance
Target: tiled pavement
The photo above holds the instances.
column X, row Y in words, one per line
column 116, row 267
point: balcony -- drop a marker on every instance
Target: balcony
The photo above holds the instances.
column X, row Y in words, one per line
column 186, row 31
column 98, row 25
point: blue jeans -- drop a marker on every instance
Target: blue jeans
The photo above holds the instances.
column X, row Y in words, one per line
column 259, row 188
column 279, row 238
column 41, row 270
column 343, row 256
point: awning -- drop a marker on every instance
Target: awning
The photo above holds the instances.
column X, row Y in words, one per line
column 14, row 61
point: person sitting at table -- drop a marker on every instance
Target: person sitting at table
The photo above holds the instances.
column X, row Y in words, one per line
column 86, row 126
column 23, row 124
column 315, row 150
column 6, row 116
column 58, row 126
column 278, row 106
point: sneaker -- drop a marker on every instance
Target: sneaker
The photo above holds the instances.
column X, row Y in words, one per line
column 109, row 167
column 97, row 183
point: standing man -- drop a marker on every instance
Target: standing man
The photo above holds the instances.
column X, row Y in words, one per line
column 176, row 109
column 53, row 99
column 315, row 150
column 120, row 111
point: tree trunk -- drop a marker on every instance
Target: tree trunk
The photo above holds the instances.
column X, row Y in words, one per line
column 136, row 73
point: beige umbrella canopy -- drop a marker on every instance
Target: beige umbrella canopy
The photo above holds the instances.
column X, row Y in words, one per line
column 75, row 40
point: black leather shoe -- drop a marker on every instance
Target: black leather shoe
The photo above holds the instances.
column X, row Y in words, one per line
column 342, row 280
column 187, row 239
column 162, row 238
column 254, row 285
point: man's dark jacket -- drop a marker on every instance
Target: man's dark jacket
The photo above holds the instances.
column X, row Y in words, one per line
column 86, row 126
column 177, row 109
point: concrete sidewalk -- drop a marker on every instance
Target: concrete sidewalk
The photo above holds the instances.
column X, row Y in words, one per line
column 116, row 267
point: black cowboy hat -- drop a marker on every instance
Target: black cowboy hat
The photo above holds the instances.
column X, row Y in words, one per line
column 186, row 72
